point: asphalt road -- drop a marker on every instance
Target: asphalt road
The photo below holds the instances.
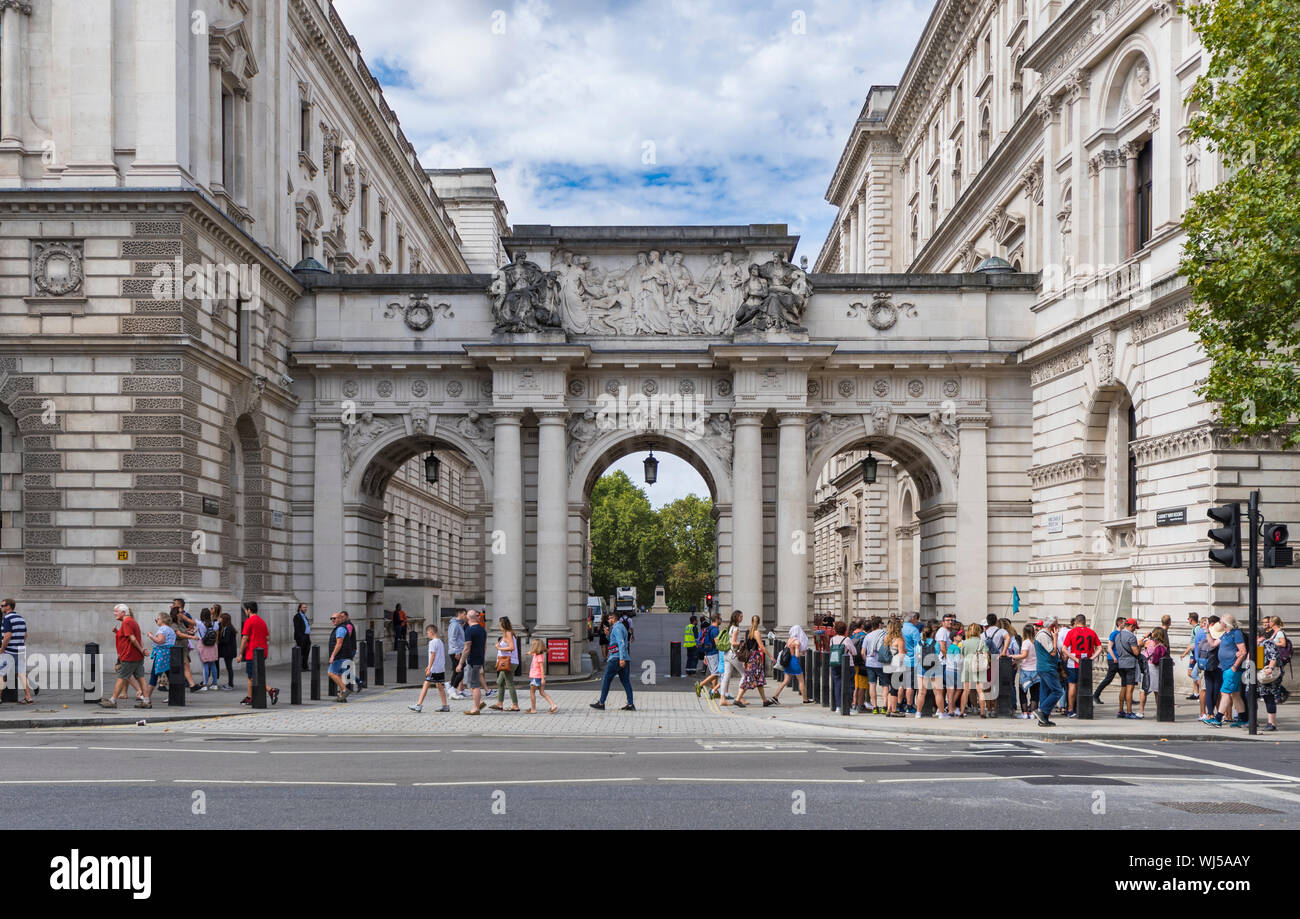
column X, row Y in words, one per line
column 113, row 778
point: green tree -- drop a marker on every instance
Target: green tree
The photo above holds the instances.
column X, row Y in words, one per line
column 1242, row 254
column 630, row 542
column 689, row 529
column 621, row 517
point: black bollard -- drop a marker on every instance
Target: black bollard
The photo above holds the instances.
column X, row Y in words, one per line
column 370, row 647
column 846, row 686
column 259, row 678
column 674, row 658
column 1083, row 700
column 1165, row 701
column 413, row 655
column 1006, row 686
column 827, row 701
column 315, row 674
column 815, row 675
column 295, row 676
column 360, row 669
column 807, row 671
column 400, row 647
column 378, row 651
column 91, row 685
column 176, row 677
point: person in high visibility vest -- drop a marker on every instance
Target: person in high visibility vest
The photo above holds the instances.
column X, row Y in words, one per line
column 689, row 643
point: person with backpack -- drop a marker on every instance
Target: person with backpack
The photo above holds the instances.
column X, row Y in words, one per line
column 869, row 658
column 1125, row 648
column 617, row 665
column 754, row 655
column 341, row 654
column 1194, row 667
column 929, row 666
column 1155, row 648
column 1229, row 645
column 892, row 654
column 227, row 642
column 731, row 664
column 1027, row 678
column 1277, row 654
column 951, row 647
column 208, row 650
column 861, row 683
column 840, row 648
column 712, row 657
column 1112, row 665
column 791, row 663
column 1208, row 663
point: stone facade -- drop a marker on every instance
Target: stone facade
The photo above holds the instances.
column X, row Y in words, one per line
column 1054, row 136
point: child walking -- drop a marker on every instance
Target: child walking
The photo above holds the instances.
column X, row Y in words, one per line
column 434, row 671
column 537, row 677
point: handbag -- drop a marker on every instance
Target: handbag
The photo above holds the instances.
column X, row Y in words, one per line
column 504, row 663
column 783, row 659
column 743, row 650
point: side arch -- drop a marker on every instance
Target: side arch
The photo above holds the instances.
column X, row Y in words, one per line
column 391, row 449
column 614, row 445
column 935, row 479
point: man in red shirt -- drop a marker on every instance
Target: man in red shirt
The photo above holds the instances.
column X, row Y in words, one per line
column 1080, row 642
column 254, row 636
column 130, row 656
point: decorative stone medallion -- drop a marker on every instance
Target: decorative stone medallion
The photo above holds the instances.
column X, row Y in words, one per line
column 951, row 388
column 611, row 387
column 724, row 387
column 56, row 268
column 576, row 388
column 846, row 388
column 880, row 388
column 419, row 389
column 915, row 389
column 350, row 388
column 814, row 388
column 686, row 387
column 649, row 387
column 384, row 389
column 455, row 388
column 418, row 314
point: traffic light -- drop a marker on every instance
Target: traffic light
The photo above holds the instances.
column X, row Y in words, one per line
column 1277, row 554
column 1229, row 534
column 708, row 602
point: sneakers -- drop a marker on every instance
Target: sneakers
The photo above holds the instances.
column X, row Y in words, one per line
column 108, row 703
column 1024, row 716
column 1212, row 722
column 911, row 709
column 1193, row 697
column 143, row 704
column 1239, row 724
column 1072, row 714
column 698, row 689
column 489, row 694
column 944, row 716
column 598, row 706
column 226, row 688
column 1138, row 715
column 274, row 694
column 1043, row 720
column 198, row 689
column 1268, row 727
column 417, row 708
column 629, row 707
column 247, row 700
column 1120, row 714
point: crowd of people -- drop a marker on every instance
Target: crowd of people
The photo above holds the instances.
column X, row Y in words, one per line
column 898, row 664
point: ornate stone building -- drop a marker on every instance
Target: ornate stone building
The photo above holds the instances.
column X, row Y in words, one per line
column 1054, row 136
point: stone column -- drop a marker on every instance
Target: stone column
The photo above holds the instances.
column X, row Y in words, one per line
column 216, row 154
column 860, row 250
column 846, row 244
column 12, row 72
column 972, row 588
column 506, row 542
column 1130, row 152
column 552, row 522
column 747, row 515
column 793, row 539
column 328, row 525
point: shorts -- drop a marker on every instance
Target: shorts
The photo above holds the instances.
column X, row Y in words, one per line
column 128, row 669
column 877, row 675
column 473, row 675
column 338, row 666
column 907, row 678
column 1128, row 676
column 1072, row 675
column 535, row 681
column 861, row 681
column 435, row 678
column 14, row 663
column 952, row 677
column 795, row 667
column 1194, row 670
column 1231, row 682
column 250, row 668
column 714, row 661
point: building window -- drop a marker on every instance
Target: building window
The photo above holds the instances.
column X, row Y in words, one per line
column 365, row 206
column 383, row 229
column 1144, row 195
column 243, row 332
column 227, row 139
column 986, row 134
column 401, row 252
column 956, row 175
column 304, row 128
column 1131, row 497
column 988, row 53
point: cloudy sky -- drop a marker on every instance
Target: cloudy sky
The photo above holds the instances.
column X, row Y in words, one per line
column 640, row 111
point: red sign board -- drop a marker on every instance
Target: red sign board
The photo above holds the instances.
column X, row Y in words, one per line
column 557, row 650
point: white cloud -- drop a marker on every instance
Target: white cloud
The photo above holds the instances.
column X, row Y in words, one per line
column 747, row 117
column 675, row 478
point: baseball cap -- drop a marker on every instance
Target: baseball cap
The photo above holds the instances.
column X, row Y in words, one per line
column 1130, row 622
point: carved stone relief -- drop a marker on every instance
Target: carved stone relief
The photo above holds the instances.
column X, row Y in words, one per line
column 57, row 268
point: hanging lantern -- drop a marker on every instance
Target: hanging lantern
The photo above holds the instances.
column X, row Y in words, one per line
column 431, row 466
column 869, row 468
column 651, row 469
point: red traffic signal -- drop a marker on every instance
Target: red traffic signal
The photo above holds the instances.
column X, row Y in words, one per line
column 1277, row 554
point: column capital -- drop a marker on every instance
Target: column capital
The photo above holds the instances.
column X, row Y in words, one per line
column 326, row 421
column 747, row 418
column 789, row 418
column 510, row 416
column 1130, row 150
column 974, row 420
column 22, row 6
column 552, row 416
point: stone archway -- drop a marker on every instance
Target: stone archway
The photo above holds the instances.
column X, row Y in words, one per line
column 609, row 447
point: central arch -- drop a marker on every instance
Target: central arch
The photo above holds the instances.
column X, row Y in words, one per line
column 611, row 446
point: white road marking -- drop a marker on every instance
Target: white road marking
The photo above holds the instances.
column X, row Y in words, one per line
column 714, row 752
column 165, row 749
column 1203, row 762
column 75, row 781
column 964, row 778
column 712, row 779
column 529, row 782
column 550, row 752
column 343, row 752
column 198, row 781
column 6, row 747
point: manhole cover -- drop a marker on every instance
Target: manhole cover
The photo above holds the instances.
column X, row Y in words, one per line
column 1218, row 807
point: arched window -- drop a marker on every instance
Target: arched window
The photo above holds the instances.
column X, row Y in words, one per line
column 956, row 175
column 986, row 134
column 11, row 466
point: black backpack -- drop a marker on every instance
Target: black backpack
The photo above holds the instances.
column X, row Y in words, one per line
column 349, row 649
column 210, row 636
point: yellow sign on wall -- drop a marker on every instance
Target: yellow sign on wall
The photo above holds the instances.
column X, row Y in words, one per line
column 123, row 555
